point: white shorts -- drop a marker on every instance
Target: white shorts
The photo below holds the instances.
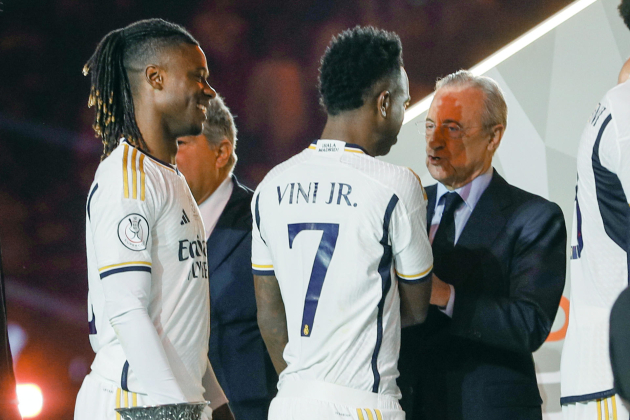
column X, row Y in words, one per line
column 324, row 401
column 98, row 397
column 611, row 408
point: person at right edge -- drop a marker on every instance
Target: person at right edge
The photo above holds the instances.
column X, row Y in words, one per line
column 599, row 255
column 500, row 265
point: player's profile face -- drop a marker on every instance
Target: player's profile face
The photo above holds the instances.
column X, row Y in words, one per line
column 457, row 145
column 186, row 92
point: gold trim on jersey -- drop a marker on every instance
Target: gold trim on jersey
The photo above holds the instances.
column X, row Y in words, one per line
column 415, row 276
column 122, row 400
column 142, row 187
column 137, row 167
column 614, row 408
column 108, row 267
column 124, row 166
column 134, row 174
column 262, row 267
column 360, row 414
column 368, row 412
column 118, row 390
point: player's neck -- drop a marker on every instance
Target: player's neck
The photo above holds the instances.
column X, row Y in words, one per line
column 161, row 144
column 351, row 127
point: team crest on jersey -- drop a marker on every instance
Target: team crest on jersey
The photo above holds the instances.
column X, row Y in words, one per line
column 133, row 232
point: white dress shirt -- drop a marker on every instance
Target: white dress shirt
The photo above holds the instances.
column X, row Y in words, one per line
column 470, row 193
column 212, row 207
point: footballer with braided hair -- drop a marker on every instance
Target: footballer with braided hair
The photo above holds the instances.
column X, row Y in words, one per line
column 148, row 300
column 340, row 252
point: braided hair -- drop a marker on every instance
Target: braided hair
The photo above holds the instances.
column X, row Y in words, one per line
column 119, row 53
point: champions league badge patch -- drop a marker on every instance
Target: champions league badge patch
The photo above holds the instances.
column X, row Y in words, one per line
column 133, row 232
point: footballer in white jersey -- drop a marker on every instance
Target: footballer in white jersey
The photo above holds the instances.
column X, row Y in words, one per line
column 141, row 217
column 599, row 258
column 338, row 229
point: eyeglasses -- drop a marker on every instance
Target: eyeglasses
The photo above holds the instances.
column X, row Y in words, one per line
column 452, row 130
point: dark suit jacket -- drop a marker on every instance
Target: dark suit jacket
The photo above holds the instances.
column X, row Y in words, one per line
column 620, row 344
column 8, row 398
column 478, row 365
column 237, row 352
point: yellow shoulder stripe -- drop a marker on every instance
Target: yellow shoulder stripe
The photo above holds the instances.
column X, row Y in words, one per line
column 135, row 168
column 124, row 165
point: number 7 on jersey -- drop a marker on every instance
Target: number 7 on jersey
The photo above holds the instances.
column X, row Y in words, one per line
column 330, row 232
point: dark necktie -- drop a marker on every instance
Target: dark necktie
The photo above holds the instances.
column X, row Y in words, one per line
column 444, row 239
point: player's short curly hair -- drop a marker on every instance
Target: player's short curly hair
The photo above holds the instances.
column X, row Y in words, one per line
column 353, row 63
column 624, row 11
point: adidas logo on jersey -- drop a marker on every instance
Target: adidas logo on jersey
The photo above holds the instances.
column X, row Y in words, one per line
column 185, row 218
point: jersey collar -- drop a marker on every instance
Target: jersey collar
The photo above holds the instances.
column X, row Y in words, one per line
column 161, row 162
column 348, row 147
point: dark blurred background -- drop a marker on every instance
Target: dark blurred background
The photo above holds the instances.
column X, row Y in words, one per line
column 263, row 57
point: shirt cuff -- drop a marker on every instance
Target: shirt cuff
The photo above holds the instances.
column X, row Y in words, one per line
column 448, row 310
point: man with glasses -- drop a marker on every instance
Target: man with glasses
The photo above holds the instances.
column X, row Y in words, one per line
column 498, row 274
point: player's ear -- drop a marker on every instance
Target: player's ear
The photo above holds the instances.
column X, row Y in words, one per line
column 384, row 103
column 154, row 75
column 224, row 151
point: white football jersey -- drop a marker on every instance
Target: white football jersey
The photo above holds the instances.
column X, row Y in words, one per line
column 599, row 240
column 331, row 224
column 141, row 216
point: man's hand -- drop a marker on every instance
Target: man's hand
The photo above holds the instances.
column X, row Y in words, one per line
column 222, row 413
column 440, row 293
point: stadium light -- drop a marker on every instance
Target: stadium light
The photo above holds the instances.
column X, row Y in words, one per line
column 509, row 50
column 31, row 400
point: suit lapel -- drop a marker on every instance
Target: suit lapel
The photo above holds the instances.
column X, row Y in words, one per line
column 233, row 225
column 488, row 218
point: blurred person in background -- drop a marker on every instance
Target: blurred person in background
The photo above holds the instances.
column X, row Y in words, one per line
column 148, row 299
column 599, row 255
column 8, row 397
column 237, row 351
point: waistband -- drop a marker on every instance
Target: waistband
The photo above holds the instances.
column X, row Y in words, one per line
column 337, row 394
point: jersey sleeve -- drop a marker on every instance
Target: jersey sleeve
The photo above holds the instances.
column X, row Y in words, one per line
column 262, row 264
column 121, row 228
column 413, row 259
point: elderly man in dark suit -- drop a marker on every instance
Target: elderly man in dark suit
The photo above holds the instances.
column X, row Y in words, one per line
column 500, row 261
column 237, row 352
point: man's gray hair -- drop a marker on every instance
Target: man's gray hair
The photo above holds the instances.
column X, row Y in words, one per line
column 220, row 125
column 495, row 107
